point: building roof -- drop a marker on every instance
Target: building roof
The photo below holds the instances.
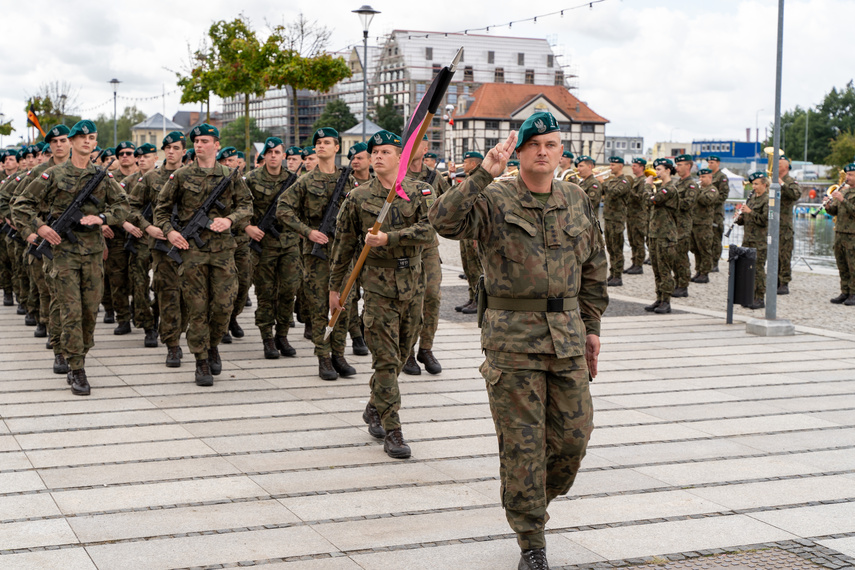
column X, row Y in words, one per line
column 370, row 128
column 502, row 100
column 156, row 122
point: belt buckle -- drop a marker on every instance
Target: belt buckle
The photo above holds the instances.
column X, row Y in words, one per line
column 403, row 262
column 555, row 305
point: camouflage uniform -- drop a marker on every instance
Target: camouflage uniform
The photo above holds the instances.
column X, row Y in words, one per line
column 616, row 190
column 722, row 187
column 790, row 194
column 756, row 224
column 471, row 265
column 243, row 265
column 535, row 370
column 301, row 209
column 117, row 264
column 844, row 238
column 139, row 263
column 663, row 238
column 5, row 258
column 77, row 268
column 638, row 217
column 19, row 274
column 276, row 271
column 593, row 188
column 702, row 228
column 687, row 188
column 209, row 281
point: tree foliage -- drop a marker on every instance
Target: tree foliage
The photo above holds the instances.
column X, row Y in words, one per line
column 196, row 84
column 842, row 150
column 51, row 107
column 337, row 116
column 387, row 117
column 104, row 123
column 233, row 134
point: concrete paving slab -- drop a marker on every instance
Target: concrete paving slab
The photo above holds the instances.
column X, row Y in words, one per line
column 117, row 452
column 20, row 482
column 16, row 507
column 65, row 559
column 843, row 545
column 815, row 520
column 32, row 534
column 687, row 474
column 785, row 492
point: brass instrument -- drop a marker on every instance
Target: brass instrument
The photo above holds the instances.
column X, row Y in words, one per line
column 770, row 152
column 832, row 189
column 604, row 171
column 568, row 172
column 650, row 171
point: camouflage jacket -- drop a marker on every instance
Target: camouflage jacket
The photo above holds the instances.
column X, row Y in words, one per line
column 55, row 189
column 705, row 205
column 845, row 212
column 663, row 219
column 8, row 191
column 264, row 187
column 722, row 187
column 531, row 250
column 616, row 191
column 31, row 175
column 302, row 206
column 687, row 188
column 756, row 222
column 594, row 189
column 143, row 193
column 187, row 188
column 407, row 227
column 439, row 184
column 790, row 194
column 638, row 200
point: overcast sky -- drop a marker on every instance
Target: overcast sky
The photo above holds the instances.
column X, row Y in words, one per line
column 668, row 70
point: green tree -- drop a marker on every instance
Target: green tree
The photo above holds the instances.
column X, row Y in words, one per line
column 233, row 134
column 196, row 85
column 104, row 123
column 337, row 116
column 842, row 151
column 387, row 117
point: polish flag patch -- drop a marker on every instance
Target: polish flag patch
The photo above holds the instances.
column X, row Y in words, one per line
column 171, row 176
column 110, row 174
column 425, row 191
column 45, row 175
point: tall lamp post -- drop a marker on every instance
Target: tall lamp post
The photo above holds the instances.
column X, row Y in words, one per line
column 62, row 99
column 366, row 14
column 115, row 82
column 757, row 135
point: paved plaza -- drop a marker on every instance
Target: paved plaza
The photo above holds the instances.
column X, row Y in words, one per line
column 710, row 445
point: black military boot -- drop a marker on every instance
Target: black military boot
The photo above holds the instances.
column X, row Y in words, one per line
column 248, row 303
column 758, row 304
column 849, row 301
column 21, row 310
column 840, row 298
column 372, row 418
column 702, row 278
column 214, row 361
column 270, row 350
column 459, row 308
column 7, row 299
column 79, row 382
column 49, row 345
column 634, row 270
column 394, row 446
column 663, row 308
column 342, row 367
column 615, row 282
column 109, row 317
column 307, row 331
column 783, row 289
column 411, row 367
column 173, row 359
column 358, row 346
column 227, row 338
column 123, row 328
column 646, row 261
column 426, row 357
column 150, row 338
column 41, row 331
column 325, row 368
column 471, row 308
column 534, row 559
column 60, row 366
column 680, row 292
column 30, row 320
column 203, row 374
column 714, row 269
column 285, row 348
column 651, row 308
column 235, row 329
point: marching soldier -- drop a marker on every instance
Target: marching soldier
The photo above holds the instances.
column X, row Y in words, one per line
column 76, row 269
column 616, row 190
column 469, row 249
column 687, row 188
column 310, row 158
column 754, row 215
column 842, row 205
column 722, row 187
column 293, row 158
column 10, row 166
column 702, row 226
column 790, row 194
column 589, row 183
column 638, row 215
column 430, row 160
column 393, row 279
column 14, row 242
column 544, row 283
column 208, row 275
column 360, row 162
column 662, row 238
column 228, row 157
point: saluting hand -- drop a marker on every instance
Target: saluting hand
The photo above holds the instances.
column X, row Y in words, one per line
column 497, row 157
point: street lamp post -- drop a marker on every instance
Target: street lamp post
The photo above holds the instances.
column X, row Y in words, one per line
column 115, row 82
column 807, row 119
column 366, row 14
column 757, row 135
column 62, row 99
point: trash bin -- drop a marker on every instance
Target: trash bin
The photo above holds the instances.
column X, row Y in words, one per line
column 743, row 261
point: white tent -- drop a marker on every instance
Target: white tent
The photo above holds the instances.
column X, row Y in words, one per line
column 736, row 183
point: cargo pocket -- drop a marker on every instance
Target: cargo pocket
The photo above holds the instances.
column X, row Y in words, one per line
column 490, row 373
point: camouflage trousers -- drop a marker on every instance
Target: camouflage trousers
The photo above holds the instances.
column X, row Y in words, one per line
column 542, row 411
column 5, row 267
column 317, row 291
column 243, row 266
column 78, row 283
column 785, row 255
column 636, row 229
column 20, row 277
column 844, row 253
column 614, row 245
column 391, row 328
column 209, row 286
column 471, row 265
column 167, row 291
column 662, row 260
column 106, row 298
column 34, row 303
column 759, row 268
column 276, row 282
column 354, row 319
column 42, row 293
column 702, row 247
column 682, row 268
column 718, row 235
column 432, row 270
column 140, row 264
column 116, row 272
column 55, row 320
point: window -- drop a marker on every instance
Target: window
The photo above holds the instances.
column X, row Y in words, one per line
column 550, row 60
column 559, row 78
column 490, row 143
column 587, row 128
column 491, row 125
column 428, row 53
column 452, row 98
column 420, row 90
column 464, row 124
column 636, row 145
column 621, row 144
column 725, row 147
column 716, row 147
column 491, row 57
column 465, row 145
column 608, row 144
column 515, row 125
column 529, row 77
column 520, row 58
column 705, row 148
column 468, row 75
column 499, row 75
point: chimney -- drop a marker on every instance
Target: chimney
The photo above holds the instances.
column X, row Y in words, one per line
column 748, row 135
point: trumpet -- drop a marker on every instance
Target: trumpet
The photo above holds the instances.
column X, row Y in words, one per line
column 649, row 171
column 569, row 173
column 604, row 171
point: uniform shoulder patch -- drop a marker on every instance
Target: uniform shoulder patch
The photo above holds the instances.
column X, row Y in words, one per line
column 18, row 178
column 110, row 174
column 122, row 184
column 664, row 191
column 425, row 191
column 624, row 181
column 691, row 185
column 171, row 176
column 45, row 175
column 140, row 179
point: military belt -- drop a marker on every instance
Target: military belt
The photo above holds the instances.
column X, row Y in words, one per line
column 553, row 305
column 396, row 263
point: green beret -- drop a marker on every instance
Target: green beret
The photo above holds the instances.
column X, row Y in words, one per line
column 40, row 145
column 473, row 154
column 849, row 167
column 125, row 145
column 784, row 157
column 431, row 155
column 146, row 148
column 514, row 163
column 227, row 152
column 241, row 155
column 640, row 161
column 568, row 154
column 84, row 127
column 293, row 151
column 381, row 138
column 173, row 137
column 21, row 154
column 585, row 157
column 756, row 176
column 96, row 149
column 538, row 124
column 204, row 130
column 308, row 151
column 190, row 155
column 107, row 152
column 324, row 133
column 34, row 150
column 713, row 157
column 616, row 160
column 683, row 158
column 703, row 171
column 271, row 143
column 57, row 131
column 663, row 162
column 46, row 149
column 356, row 149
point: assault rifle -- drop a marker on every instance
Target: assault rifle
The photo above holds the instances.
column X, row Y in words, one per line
column 267, row 223
column 66, row 222
column 131, row 241
column 12, row 233
column 200, row 219
column 328, row 221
